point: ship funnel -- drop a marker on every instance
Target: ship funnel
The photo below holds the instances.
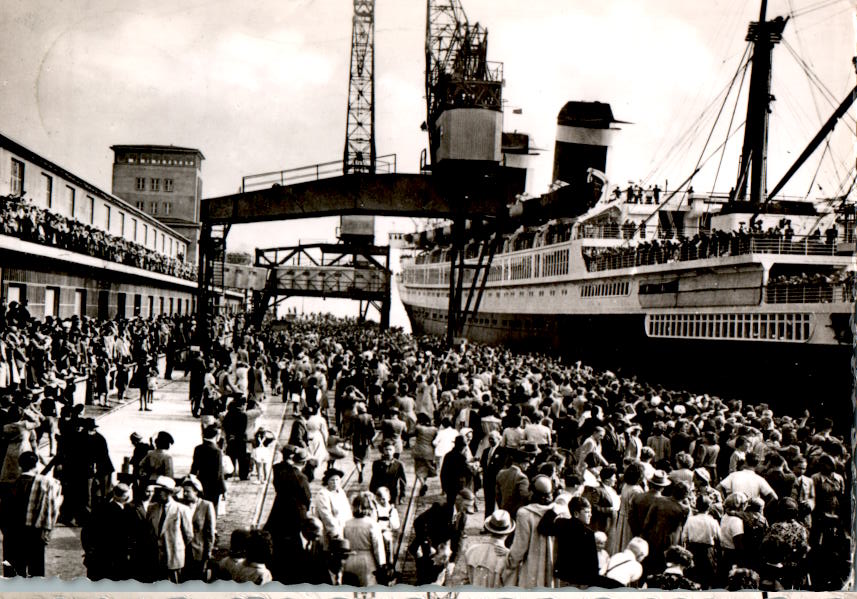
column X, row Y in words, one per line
column 583, row 135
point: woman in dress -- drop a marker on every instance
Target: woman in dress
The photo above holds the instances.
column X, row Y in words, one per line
column 424, row 459
column 316, row 427
column 632, row 486
column 331, row 505
column 367, row 543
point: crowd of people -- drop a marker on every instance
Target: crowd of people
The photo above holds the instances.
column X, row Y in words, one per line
column 816, row 287
column 587, row 479
column 24, row 220
column 675, row 247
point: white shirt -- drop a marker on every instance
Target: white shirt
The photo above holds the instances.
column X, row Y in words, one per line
column 624, row 568
column 749, row 483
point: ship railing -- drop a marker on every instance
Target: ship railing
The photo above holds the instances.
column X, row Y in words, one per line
column 803, row 247
column 784, row 293
column 682, row 252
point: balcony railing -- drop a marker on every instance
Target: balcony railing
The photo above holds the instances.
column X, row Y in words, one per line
column 809, row 294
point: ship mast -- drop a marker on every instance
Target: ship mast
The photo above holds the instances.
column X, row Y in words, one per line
column 764, row 35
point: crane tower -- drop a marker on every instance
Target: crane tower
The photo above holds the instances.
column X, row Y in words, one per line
column 360, row 126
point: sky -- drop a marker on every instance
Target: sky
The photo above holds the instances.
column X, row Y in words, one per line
column 263, row 86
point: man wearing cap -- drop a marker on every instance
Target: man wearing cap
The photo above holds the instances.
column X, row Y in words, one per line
column 204, row 521
column 207, row 466
column 107, row 537
column 389, row 472
column 172, row 526
column 486, row 561
column 437, row 537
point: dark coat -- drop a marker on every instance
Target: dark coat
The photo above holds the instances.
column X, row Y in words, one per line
column 390, row 475
column 455, row 474
column 296, row 565
column 513, row 489
column 602, row 508
column 299, row 436
column 491, row 464
column 207, row 466
column 432, row 528
column 576, row 555
column 291, row 503
column 108, row 541
column 638, row 509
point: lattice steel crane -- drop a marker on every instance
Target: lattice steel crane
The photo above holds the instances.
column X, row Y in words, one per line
column 458, row 74
column 360, row 125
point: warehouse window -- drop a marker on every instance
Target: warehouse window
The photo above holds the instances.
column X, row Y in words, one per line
column 155, row 184
column 17, row 181
column 52, row 301
column 91, row 202
column 69, row 200
column 168, row 185
column 141, row 183
column 49, row 190
column 80, row 302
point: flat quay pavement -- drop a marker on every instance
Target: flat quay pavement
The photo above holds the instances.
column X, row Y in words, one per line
column 248, row 502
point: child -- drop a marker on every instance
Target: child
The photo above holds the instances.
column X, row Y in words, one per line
column 121, row 380
column 388, row 519
column 601, row 548
column 262, row 454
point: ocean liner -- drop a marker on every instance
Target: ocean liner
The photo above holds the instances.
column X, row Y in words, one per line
column 747, row 292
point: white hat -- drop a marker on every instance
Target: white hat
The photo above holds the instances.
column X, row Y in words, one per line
column 165, row 482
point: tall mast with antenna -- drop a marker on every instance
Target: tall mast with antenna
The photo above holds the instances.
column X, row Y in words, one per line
column 764, row 35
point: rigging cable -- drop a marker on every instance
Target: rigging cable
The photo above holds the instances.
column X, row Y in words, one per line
column 686, row 138
column 729, row 128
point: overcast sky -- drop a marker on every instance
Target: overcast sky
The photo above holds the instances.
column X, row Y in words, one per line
column 263, row 86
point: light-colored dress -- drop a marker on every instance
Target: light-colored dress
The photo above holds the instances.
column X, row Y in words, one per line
column 334, row 510
column 620, row 534
column 367, row 544
column 316, row 428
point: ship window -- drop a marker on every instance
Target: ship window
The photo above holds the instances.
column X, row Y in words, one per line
column 710, row 319
column 805, row 327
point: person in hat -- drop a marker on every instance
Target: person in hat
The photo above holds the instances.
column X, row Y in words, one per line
column 486, row 561
column 141, row 448
column 438, row 533
column 292, row 499
column 530, row 562
column 663, row 523
column 207, row 466
column 158, row 462
column 639, row 506
column 171, row 523
column 362, row 430
column 389, row 472
column 513, row 486
column 336, row 555
column 457, row 472
column 298, row 436
column 30, row 510
column 332, row 505
column 204, row 522
column 101, row 466
column 107, row 538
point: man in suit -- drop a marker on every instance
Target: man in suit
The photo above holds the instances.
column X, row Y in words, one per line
column 389, row 472
column 513, row 486
column 299, row 437
column 305, row 557
column 292, row 499
column 172, row 526
column 106, row 538
column 437, row 537
column 207, row 466
column 490, row 461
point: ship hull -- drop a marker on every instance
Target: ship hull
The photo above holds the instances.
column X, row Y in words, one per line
column 791, row 376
